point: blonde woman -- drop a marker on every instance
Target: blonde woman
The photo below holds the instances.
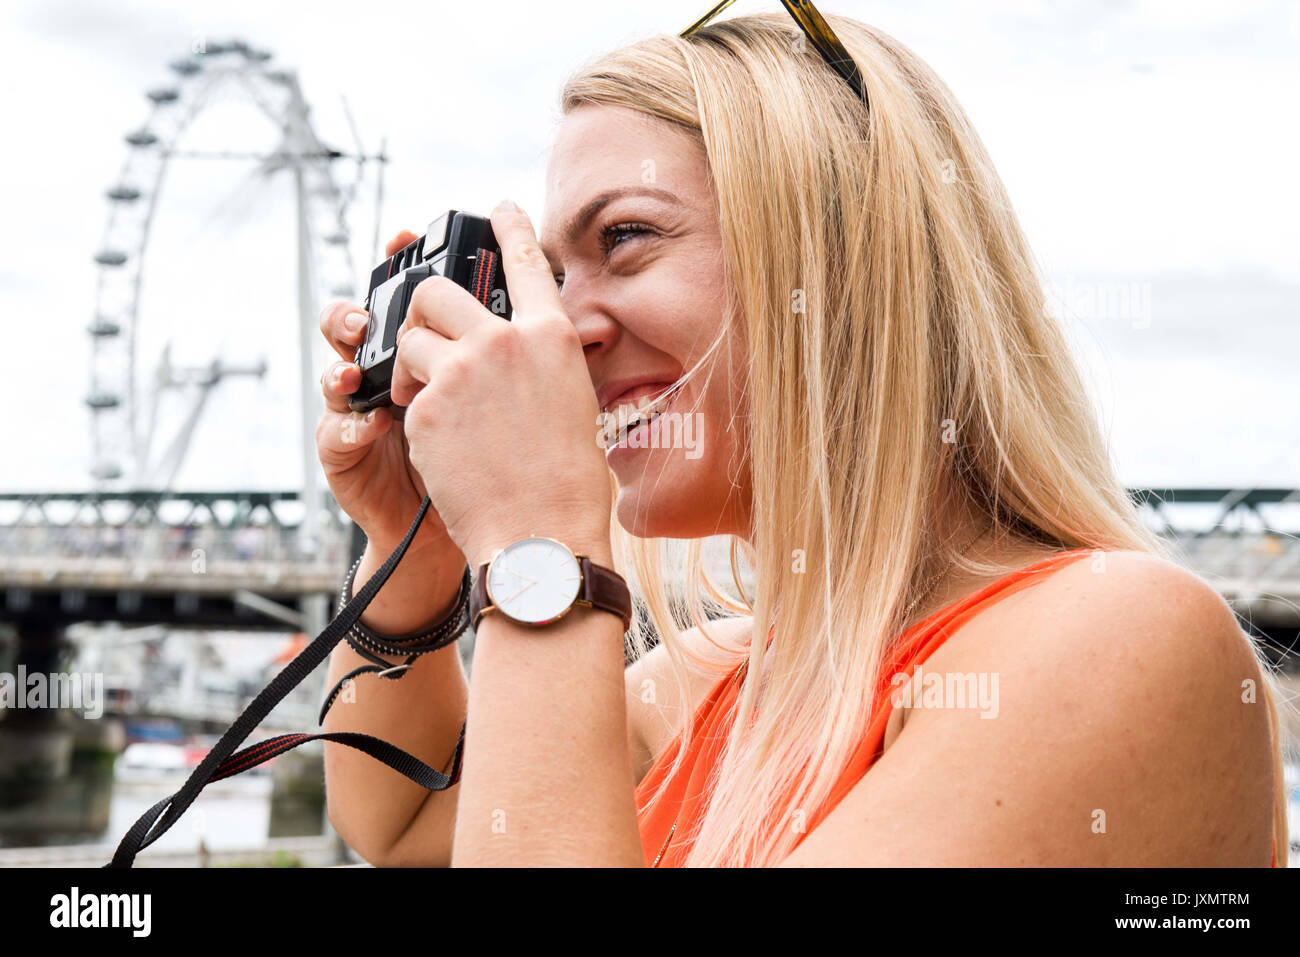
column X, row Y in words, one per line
column 806, row 258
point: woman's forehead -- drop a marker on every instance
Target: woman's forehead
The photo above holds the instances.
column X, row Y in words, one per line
column 608, row 144
column 602, row 149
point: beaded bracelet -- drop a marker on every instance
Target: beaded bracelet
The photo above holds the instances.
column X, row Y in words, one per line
column 416, row 642
column 369, row 644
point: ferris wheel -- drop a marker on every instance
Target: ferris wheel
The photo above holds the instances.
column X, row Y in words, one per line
column 127, row 388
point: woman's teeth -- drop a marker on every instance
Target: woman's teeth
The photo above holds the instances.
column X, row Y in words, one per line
column 640, row 418
column 625, row 421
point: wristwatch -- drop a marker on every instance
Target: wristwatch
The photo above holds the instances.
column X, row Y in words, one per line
column 536, row 581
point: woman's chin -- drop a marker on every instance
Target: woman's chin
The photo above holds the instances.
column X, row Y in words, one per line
column 673, row 507
column 648, row 509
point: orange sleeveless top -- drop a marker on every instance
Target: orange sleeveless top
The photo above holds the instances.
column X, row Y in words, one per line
column 666, row 824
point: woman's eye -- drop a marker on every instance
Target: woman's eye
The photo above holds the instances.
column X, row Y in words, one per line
column 617, row 234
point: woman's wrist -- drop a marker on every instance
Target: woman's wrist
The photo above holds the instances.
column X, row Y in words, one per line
column 431, row 537
column 582, row 536
column 421, row 591
column 428, row 638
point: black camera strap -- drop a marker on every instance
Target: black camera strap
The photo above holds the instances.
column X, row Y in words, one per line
column 224, row 761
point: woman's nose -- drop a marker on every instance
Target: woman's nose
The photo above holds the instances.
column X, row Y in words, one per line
column 597, row 330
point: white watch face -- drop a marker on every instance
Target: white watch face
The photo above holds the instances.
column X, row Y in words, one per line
column 534, row 580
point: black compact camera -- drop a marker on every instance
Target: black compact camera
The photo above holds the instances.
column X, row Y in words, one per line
column 457, row 245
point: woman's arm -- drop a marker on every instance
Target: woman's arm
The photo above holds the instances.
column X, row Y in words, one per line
column 384, row 816
column 547, row 778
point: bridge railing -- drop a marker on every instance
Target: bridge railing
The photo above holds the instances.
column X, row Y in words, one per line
column 143, row 537
column 192, row 543
column 1243, row 538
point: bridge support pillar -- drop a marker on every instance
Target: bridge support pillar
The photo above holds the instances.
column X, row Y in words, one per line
column 35, row 742
column 56, row 768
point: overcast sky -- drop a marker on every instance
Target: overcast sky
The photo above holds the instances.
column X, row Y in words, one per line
column 1148, row 146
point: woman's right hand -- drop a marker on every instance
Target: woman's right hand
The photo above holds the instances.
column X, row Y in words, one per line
column 365, row 456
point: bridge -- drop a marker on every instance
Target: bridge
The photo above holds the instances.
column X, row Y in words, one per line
column 242, row 560
column 247, row 561
column 204, row 559
column 1243, row 542
column 153, row 563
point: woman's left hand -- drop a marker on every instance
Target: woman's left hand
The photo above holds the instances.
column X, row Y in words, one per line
column 501, row 418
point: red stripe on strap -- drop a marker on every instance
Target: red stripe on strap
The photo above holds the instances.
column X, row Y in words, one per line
column 255, row 755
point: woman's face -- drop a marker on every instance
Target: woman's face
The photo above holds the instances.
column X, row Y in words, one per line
column 631, row 226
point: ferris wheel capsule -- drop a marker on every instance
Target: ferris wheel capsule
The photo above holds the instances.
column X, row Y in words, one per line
column 103, row 400
column 104, row 326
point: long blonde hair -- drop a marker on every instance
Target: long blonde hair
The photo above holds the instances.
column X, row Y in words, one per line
column 897, row 335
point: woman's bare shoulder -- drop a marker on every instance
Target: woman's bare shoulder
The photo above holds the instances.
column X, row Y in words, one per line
column 1128, row 728
column 1138, row 665
column 1121, row 611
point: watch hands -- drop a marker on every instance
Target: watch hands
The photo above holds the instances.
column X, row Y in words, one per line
column 530, row 584
column 511, row 571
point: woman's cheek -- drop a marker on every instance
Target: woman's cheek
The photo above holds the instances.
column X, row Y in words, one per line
column 678, row 491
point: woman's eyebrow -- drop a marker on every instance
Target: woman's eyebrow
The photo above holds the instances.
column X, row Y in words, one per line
column 582, row 219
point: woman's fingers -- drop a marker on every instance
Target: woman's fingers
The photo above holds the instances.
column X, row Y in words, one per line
column 343, row 324
column 341, row 431
column 529, row 276
column 338, row 382
column 343, row 437
column 400, row 241
column 340, row 436
column 447, row 308
column 417, row 358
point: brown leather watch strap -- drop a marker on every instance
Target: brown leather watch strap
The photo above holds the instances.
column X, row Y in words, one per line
column 605, row 589
column 478, row 596
column 601, row 588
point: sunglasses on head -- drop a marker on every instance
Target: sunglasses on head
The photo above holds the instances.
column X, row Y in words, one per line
column 816, row 29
